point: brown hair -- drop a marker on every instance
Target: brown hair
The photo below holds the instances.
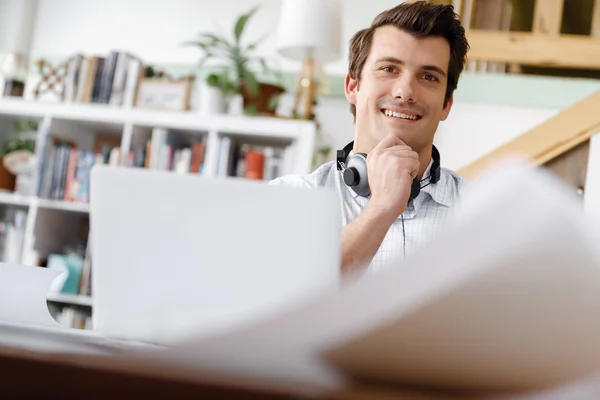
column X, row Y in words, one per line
column 420, row 19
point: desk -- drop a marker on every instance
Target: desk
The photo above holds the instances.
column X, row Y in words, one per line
column 31, row 373
column 27, row 373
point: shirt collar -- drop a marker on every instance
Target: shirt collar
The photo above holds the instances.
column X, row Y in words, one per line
column 442, row 192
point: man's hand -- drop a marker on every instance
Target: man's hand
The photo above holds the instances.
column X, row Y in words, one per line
column 391, row 166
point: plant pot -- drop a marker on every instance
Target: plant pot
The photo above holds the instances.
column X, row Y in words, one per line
column 7, row 179
column 261, row 100
column 21, row 164
column 211, row 100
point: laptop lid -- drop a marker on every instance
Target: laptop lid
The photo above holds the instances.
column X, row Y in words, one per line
column 183, row 255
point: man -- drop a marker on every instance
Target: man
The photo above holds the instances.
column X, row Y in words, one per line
column 403, row 71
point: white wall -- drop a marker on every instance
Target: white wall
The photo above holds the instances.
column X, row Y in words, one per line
column 155, row 29
column 591, row 196
column 472, row 130
column 16, row 17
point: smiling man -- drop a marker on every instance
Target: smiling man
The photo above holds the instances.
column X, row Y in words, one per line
column 395, row 196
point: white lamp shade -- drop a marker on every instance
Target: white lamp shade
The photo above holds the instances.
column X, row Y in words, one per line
column 310, row 28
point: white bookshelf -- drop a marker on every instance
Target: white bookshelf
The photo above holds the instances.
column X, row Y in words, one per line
column 71, row 299
column 51, row 223
column 14, row 199
column 301, row 134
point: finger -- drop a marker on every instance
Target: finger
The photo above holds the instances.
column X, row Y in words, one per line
column 403, row 151
column 414, row 168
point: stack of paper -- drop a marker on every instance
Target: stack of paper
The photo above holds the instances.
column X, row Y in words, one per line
column 507, row 299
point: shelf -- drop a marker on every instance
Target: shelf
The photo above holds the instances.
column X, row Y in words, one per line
column 9, row 198
column 73, row 299
column 25, row 201
column 64, row 205
column 101, row 113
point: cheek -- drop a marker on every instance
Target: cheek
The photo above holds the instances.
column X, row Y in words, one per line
column 435, row 103
column 363, row 100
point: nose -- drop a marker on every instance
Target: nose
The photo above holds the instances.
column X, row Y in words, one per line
column 404, row 89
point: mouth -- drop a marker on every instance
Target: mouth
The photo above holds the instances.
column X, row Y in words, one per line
column 408, row 116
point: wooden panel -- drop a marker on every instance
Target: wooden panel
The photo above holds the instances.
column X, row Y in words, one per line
column 571, row 167
column 488, row 14
column 571, row 51
column 466, row 15
column 547, row 16
column 577, row 17
column 491, row 15
column 458, row 5
column 548, row 140
column 595, row 30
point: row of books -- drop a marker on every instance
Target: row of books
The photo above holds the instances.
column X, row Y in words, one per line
column 166, row 150
column 65, row 170
column 108, row 79
column 71, row 317
column 252, row 161
column 77, row 269
column 12, row 233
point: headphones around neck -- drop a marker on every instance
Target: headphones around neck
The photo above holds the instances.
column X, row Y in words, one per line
column 354, row 171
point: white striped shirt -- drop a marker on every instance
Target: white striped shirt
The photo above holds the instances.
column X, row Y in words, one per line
column 424, row 217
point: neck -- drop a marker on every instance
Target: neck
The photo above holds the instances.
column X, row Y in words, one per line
column 363, row 145
column 424, row 160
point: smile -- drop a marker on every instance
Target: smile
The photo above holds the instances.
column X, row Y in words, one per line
column 400, row 115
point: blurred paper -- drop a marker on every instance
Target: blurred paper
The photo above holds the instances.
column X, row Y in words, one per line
column 62, row 340
column 507, row 299
column 26, row 322
column 23, row 294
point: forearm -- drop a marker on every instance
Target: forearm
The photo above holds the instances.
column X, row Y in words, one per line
column 362, row 237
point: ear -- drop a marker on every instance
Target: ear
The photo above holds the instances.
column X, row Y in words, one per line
column 446, row 110
column 350, row 88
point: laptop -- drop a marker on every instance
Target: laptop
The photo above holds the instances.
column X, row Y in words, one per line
column 177, row 256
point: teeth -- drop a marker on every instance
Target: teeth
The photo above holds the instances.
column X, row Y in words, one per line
column 396, row 114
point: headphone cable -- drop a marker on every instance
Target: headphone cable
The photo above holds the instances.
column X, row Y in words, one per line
column 403, row 237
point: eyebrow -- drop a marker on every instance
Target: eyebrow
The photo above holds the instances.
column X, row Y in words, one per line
column 433, row 68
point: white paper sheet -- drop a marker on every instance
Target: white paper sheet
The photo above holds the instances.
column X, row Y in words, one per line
column 64, row 340
column 23, row 294
column 509, row 298
column 25, row 319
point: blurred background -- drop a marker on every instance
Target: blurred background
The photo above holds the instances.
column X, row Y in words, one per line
column 255, row 90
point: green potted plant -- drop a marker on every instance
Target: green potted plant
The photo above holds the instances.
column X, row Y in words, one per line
column 239, row 65
column 23, row 138
column 217, row 91
column 17, row 157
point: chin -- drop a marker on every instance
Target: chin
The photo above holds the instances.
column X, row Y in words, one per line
column 403, row 135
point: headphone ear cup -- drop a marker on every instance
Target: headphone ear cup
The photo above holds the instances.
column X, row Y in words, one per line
column 356, row 175
column 436, row 172
column 415, row 189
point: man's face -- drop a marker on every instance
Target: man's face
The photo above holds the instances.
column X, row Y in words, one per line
column 402, row 89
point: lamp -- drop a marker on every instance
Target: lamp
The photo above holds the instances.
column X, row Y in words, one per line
column 309, row 31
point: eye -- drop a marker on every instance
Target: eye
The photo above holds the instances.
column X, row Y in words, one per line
column 431, row 78
column 388, row 68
